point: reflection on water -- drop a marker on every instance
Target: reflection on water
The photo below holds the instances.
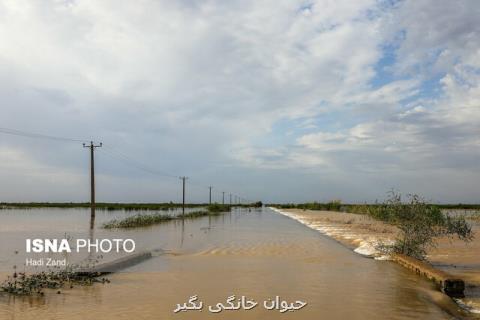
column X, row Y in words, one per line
column 258, row 254
column 20, row 224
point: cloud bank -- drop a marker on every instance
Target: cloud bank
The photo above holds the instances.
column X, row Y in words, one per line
column 272, row 100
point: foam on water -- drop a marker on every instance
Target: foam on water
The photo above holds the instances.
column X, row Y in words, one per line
column 367, row 246
column 468, row 305
column 366, row 249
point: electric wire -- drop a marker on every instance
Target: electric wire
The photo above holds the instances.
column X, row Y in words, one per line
column 38, row 135
column 110, row 151
column 132, row 162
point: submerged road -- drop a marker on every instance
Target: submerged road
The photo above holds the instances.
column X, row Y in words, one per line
column 257, row 254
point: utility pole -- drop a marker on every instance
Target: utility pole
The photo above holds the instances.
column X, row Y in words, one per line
column 230, row 198
column 210, row 195
column 183, row 196
column 92, row 180
column 223, row 197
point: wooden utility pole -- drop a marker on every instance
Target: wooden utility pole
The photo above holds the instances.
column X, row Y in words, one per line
column 92, row 180
column 183, row 196
column 223, row 197
column 210, row 195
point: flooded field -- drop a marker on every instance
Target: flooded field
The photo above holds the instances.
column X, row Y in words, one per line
column 258, row 254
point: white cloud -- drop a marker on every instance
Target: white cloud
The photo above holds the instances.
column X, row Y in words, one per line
column 192, row 86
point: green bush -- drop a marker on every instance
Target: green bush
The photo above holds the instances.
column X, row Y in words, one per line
column 257, row 204
column 139, row 220
column 419, row 224
column 144, row 220
column 216, row 207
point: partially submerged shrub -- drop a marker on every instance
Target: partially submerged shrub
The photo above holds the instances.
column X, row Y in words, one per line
column 139, row 220
column 144, row 220
column 198, row 214
column 419, row 224
column 257, row 204
column 216, row 207
column 99, row 205
column 23, row 284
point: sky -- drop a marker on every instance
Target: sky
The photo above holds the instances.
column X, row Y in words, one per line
column 279, row 101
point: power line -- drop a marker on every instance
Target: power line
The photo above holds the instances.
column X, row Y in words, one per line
column 38, row 135
column 134, row 163
column 112, row 152
column 116, row 154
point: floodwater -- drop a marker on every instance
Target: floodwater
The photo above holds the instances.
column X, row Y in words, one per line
column 258, row 254
column 363, row 234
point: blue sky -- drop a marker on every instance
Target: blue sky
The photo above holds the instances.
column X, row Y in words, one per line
column 283, row 101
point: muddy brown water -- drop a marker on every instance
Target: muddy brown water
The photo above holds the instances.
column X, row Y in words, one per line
column 259, row 254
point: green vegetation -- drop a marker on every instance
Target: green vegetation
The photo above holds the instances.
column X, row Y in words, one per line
column 335, row 205
column 114, row 206
column 144, row 220
column 419, row 224
column 257, row 204
column 459, row 206
column 215, row 207
column 139, row 220
column 365, row 208
column 23, row 284
column 98, row 205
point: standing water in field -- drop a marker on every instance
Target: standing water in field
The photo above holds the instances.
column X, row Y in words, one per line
column 255, row 253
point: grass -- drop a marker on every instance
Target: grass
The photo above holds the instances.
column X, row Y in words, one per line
column 119, row 206
column 361, row 208
column 144, row 220
column 419, row 223
column 198, row 214
column 139, row 220
column 22, row 284
column 216, row 207
column 475, row 216
column 98, row 205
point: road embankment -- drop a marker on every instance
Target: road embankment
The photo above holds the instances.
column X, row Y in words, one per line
column 453, row 264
